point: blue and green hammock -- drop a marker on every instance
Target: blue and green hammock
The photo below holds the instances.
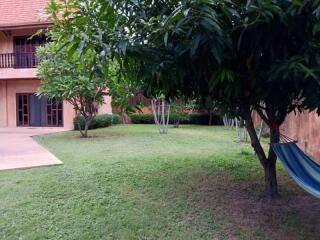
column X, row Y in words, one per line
column 299, row 166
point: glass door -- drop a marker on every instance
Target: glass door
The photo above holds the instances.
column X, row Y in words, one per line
column 54, row 113
column 38, row 112
column 23, row 106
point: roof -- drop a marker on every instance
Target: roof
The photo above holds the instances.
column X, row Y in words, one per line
column 22, row 13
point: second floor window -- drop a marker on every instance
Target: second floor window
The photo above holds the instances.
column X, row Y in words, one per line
column 25, row 51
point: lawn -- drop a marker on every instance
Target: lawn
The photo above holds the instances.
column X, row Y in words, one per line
column 129, row 182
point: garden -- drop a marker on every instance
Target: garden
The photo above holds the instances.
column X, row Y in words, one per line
column 130, row 182
column 170, row 175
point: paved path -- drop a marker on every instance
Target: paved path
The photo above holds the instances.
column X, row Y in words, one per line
column 19, row 150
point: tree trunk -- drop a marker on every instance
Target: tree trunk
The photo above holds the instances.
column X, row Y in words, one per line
column 86, row 128
column 176, row 123
column 80, row 129
column 271, row 184
column 210, row 118
column 84, row 132
column 270, row 169
column 268, row 163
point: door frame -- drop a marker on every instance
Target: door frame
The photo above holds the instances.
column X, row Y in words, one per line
column 57, row 110
column 17, row 108
column 29, row 107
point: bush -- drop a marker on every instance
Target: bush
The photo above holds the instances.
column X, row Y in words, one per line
column 100, row 121
column 203, row 119
column 142, row 118
column 184, row 118
column 116, row 119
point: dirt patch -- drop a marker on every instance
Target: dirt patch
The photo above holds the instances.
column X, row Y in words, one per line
column 296, row 215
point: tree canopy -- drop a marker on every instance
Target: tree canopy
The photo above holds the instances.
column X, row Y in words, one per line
column 254, row 55
column 71, row 80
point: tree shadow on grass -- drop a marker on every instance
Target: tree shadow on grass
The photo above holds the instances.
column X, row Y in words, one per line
column 244, row 215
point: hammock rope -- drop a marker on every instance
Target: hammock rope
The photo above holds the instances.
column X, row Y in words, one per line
column 286, row 139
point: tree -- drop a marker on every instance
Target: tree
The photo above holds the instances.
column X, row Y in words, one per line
column 70, row 79
column 258, row 56
column 123, row 91
column 255, row 55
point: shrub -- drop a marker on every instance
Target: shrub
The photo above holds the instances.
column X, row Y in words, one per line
column 203, row 119
column 184, row 118
column 100, row 121
column 116, row 119
column 142, row 118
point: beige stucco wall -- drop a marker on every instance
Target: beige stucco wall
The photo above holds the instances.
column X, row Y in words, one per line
column 13, row 81
column 6, row 46
column 106, row 107
column 12, row 73
column 6, row 42
column 304, row 127
column 3, row 104
column 8, row 91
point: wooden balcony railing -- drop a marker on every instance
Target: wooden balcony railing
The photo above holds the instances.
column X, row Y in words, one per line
column 18, row 60
column 7, row 60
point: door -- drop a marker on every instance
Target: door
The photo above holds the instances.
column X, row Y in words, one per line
column 38, row 112
column 23, row 110
column 54, row 113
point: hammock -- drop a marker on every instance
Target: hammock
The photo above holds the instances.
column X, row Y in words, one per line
column 299, row 166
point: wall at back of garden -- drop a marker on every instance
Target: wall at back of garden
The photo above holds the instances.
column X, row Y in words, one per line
column 305, row 127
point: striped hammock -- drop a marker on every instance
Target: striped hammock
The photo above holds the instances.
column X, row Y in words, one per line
column 299, row 166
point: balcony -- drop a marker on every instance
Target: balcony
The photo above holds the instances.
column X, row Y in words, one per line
column 18, row 60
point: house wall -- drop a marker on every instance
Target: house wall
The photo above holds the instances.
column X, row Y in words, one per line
column 6, row 46
column 6, row 42
column 8, row 109
column 8, row 103
column 106, row 107
column 13, row 81
column 3, row 104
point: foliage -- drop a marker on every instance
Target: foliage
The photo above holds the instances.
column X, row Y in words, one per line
column 182, row 117
column 100, row 121
column 123, row 91
column 142, row 118
column 260, row 55
column 185, row 118
column 178, row 107
column 204, row 119
column 70, row 79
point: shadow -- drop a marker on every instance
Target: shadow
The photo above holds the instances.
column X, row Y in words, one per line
column 295, row 215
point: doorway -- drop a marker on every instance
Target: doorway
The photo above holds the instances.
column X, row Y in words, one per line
column 38, row 112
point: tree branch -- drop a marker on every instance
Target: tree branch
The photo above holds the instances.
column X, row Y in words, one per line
column 263, row 116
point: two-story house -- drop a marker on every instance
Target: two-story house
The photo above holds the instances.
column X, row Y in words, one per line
column 19, row 106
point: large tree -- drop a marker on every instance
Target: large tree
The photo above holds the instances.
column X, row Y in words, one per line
column 255, row 55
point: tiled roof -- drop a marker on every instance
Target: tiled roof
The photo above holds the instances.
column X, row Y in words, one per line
column 22, row 12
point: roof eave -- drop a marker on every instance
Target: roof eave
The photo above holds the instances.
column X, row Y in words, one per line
column 25, row 26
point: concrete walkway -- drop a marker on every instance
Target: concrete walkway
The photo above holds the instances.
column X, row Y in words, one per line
column 19, row 150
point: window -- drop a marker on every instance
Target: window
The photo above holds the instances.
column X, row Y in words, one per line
column 25, row 51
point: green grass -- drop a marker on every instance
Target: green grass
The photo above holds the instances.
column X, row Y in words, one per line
column 129, row 182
